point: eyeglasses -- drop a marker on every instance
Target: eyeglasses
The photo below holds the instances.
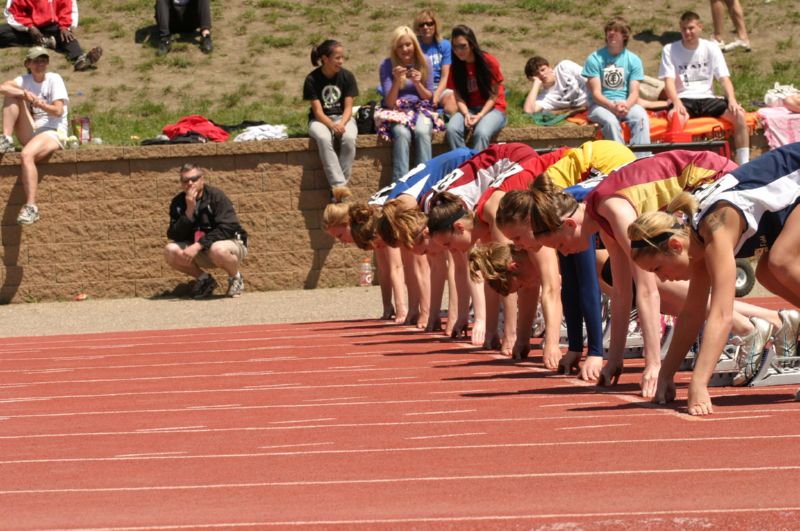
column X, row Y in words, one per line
column 461, row 46
column 428, row 24
column 187, row 180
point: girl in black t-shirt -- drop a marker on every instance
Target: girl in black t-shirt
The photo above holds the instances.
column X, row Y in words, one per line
column 331, row 90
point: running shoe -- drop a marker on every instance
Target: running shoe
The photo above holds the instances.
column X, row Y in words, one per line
column 235, row 285
column 204, row 287
column 28, row 215
column 751, row 351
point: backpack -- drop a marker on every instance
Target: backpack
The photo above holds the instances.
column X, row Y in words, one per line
column 365, row 119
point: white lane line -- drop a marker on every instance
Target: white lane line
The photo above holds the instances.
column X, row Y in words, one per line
column 299, row 445
column 468, row 391
column 707, row 419
column 452, row 519
column 419, row 479
column 29, row 399
column 446, row 412
column 151, row 454
column 386, row 379
column 363, row 451
column 446, row 436
column 301, row 420
column 334, row 399
column 596, row 426
column 344, row 367
column 169, row 428
column 215, row 406
column 570, row 404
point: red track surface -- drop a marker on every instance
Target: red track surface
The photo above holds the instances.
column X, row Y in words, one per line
column 364, row 424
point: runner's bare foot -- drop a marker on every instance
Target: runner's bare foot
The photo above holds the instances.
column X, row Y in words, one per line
column 699, row 400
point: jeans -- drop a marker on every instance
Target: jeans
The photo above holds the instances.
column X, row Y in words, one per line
column 580, row 297
column 401, row 144
column 337, row 167
column 609, row 124
column 172, row 18
column 488, row 126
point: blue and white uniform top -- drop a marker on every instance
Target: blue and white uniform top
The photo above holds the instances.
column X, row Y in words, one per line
column 764, row 191
column 421, row 179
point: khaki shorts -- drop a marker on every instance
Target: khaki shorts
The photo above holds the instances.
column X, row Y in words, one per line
column 202, row 260
column 52, row 133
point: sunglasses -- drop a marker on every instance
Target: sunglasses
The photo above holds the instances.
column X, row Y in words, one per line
column 429, row 24
column 187, row 180
column 461, row 46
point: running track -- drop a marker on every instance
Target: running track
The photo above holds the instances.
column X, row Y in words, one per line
column 363, row 424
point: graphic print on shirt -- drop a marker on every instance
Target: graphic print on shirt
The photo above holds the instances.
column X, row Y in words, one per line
column 331, row 95
column 694, row 73
column 614, row 77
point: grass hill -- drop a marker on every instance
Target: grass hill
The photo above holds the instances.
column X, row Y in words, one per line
column 262, row 49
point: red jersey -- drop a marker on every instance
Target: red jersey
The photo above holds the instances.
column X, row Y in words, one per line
column 473, row 97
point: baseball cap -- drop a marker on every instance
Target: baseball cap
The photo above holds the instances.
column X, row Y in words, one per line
column 37, row 51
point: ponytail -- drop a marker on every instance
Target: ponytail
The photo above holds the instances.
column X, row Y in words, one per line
column 363, row 221
column 398, row 226
column 324, row 49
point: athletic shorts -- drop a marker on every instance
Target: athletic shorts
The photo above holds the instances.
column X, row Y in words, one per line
column 713, row 107
column 52, row 133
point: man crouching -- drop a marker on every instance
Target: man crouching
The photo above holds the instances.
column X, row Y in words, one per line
column 205, row 234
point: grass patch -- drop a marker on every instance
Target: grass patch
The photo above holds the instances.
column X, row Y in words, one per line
column 277, row 41
column 548, row 6
column 477, row 8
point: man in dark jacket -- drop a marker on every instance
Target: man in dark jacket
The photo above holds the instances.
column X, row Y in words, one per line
column 47, row 23
column 205, row 234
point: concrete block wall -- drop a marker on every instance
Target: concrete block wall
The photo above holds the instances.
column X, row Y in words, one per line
column 104, row 214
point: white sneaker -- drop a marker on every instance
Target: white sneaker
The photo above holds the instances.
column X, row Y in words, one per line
column 6, row 145
column 235, row 285
column 738, row 43
column 28, row 215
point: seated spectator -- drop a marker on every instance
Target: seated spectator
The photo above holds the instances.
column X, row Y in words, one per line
column 613, row 74
column 183, row 16
column 48, row 24
column 406, row 79
column 439, row 53
column 331, row 90
column 480, row 96
column 689, row 67
column 35, row 108
column 561, row 87
column 205, row 234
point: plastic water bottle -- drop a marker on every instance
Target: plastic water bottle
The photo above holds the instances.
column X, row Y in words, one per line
column 365, row 272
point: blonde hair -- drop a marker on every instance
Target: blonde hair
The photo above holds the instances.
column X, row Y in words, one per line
column 427, row 14
column 420, row 63
column 491, row 262
column 400, row 226
column 650, row 233
column 338, row 212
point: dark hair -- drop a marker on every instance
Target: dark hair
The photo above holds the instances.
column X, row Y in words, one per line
column 689, row 16
column 621, row 25
column 446, row 208
column 534, row 64
column 483, row 75
column 326, row 49
column 363, row 221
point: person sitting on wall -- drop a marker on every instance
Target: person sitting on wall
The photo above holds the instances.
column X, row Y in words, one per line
column 554, row 89
column 205, row 234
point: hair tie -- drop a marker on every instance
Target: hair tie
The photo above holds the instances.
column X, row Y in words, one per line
column 446, row 223
column 655, row 241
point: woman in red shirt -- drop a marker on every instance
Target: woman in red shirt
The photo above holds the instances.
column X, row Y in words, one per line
column 477, row 82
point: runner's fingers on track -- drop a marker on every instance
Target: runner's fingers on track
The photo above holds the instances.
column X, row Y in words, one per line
column 551, row 356
column 478, row 332
column 665, row 392
column 590, row 371
column 649, row 382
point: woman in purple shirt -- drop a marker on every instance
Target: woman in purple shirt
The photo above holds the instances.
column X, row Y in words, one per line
column 407, row 86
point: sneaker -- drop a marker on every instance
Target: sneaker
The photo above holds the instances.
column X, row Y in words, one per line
column 738, row 43
column 163, row 47
column 206, row 45
column 785, row 340
column 28, row 215
column 204, row 287
column 751, row 351
column 89, row 59
column 235, row 285
column 6, row 145
column 49, row 42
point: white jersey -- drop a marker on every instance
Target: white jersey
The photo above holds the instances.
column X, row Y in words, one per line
column 694, row 71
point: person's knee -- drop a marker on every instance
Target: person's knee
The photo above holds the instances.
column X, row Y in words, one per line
column 171, row 252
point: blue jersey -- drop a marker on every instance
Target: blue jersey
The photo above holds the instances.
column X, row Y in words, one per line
column 581, row 190
column 764, row 191
column 420, row 179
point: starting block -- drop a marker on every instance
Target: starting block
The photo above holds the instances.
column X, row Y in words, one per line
column 771, row 369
